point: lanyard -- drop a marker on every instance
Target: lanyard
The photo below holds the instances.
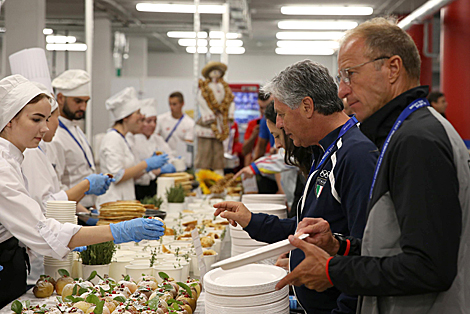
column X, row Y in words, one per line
column 123, row 138
column 348, row 125
column 174, row 128
column 62, row 125
column 415, row 105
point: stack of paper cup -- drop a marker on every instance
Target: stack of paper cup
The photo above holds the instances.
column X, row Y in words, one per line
column 163, row 184
column 62, row 211
column 264, row 199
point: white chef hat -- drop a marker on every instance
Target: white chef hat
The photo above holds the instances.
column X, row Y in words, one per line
column 45, row 90
column 123, row 104
column 32, row 64
column 15, row 93
column 148, row 107
column 73, row 83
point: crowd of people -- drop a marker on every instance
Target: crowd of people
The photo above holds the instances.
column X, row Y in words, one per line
column 372, row 170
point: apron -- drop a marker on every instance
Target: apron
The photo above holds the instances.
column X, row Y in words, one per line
column 15, row 262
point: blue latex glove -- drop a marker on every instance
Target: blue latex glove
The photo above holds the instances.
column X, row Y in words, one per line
column 136, row 230
column 92, row 221
column 94, row 211
column 156, row 162
column 1, row 267
column 80, row 249
column 168, row 168
column 99, row 183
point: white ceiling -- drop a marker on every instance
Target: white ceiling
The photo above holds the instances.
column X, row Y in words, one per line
column 68, row 15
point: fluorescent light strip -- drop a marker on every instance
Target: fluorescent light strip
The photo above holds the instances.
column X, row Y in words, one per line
column 308, row 44
column 309, row 35
column 218, row 34
column 180, row 34
column 192, row 42
column 216, row 50
column 179, row 8
column 54, row 39
column 228, row 43
column 47, row 31
column 67, row 47
column 305, row 52
column 326, row 10
column 340, row 25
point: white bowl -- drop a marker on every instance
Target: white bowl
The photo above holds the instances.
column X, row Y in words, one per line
column 136, row 271
column 175, row 272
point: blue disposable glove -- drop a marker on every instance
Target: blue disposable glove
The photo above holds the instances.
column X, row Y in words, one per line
column 99, row 183
column 168, row 168
column 94, row 211
column 136, row 230
column 92, row 221
column 156, row 162
column 80, row 249
column 1, row 267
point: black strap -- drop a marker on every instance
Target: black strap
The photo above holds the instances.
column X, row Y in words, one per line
column 15, row 262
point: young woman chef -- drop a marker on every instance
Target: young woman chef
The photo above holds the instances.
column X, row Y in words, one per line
column 116, row 156
column 24, row 110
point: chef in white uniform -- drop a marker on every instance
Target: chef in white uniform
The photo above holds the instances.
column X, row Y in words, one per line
column 144, row 144
column 69, row 151
column 116, row 156
column 24, row 110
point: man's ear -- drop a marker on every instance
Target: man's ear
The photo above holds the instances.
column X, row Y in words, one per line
column 307, row 107
column 60, row 98
column 395, row 68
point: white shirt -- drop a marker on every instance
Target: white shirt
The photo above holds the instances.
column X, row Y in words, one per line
column 44, row 185
column 69, row 160
column 21, row 216
column 115, row 157
column 183, row 133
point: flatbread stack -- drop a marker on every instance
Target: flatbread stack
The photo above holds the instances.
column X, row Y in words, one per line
column 183, row 178
column 114, row 212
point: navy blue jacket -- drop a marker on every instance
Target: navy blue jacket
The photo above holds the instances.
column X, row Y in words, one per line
column 338, row 192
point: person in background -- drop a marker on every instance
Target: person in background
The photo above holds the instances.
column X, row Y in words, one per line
column 24, row 111
column 252, row 130
column 438, row 102
column 176, row 127
column 414, row 254
column 116, row 156
column 310, row 113
column 69, row 151
column 144, row 144
column 44, row 185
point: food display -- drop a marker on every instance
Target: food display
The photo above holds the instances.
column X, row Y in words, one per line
column 184, row 179
column 213, row 183
column 109, row 296
column 113, row 212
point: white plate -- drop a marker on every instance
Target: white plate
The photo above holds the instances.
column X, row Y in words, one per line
column 250, row 300
column 246, row 280
column 278, row 306
column 271, row 250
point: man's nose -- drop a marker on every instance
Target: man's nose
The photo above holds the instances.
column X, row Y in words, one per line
column 343, row 90
column 279, row 122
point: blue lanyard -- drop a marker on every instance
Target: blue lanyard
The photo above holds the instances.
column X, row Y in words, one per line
column 348, row 125
column 62, row 125
column 174, row 128
column 415, row 105
column 123, row 138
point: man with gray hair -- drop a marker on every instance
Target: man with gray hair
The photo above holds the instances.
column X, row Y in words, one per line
column 311, row 113
column 415, row 250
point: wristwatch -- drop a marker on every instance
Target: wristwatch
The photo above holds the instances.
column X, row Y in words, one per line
column 343, row 243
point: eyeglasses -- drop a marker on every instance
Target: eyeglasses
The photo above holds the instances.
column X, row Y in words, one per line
column 345, row 76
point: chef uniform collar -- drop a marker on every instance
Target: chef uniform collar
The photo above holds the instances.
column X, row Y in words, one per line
column 123, row 104
column 148, row 107
column 73, row 83
column 15, row 93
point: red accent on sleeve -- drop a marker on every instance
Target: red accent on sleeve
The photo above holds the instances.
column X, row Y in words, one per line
column 348, row 247
column 327, row 274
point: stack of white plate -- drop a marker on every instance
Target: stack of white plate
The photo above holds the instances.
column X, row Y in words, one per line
column 241, row 240
column 264, row 198
column 62, row 211
column 246, row 289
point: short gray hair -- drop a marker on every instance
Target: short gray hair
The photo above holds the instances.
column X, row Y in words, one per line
column 306, row 79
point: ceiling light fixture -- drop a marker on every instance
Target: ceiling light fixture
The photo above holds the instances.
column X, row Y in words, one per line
column 308, row 44
column 47, row 31
column 217, row 50
column 179, row 8
column 228, row 43
column 199, row 49
column 326, row 10
column 218, row 34
column 56, row 39
column 192, row 42
column 67, row 47
column 309, row 35
column 339, row 25
column 305, row 52
column 178, row 34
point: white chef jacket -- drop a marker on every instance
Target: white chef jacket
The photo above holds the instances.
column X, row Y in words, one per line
column 115, row 157
column 21, row 215
column 69, row 160
column 38, row 169
column 183, row 133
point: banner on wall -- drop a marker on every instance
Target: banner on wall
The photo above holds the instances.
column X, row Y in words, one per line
column 246, row 105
